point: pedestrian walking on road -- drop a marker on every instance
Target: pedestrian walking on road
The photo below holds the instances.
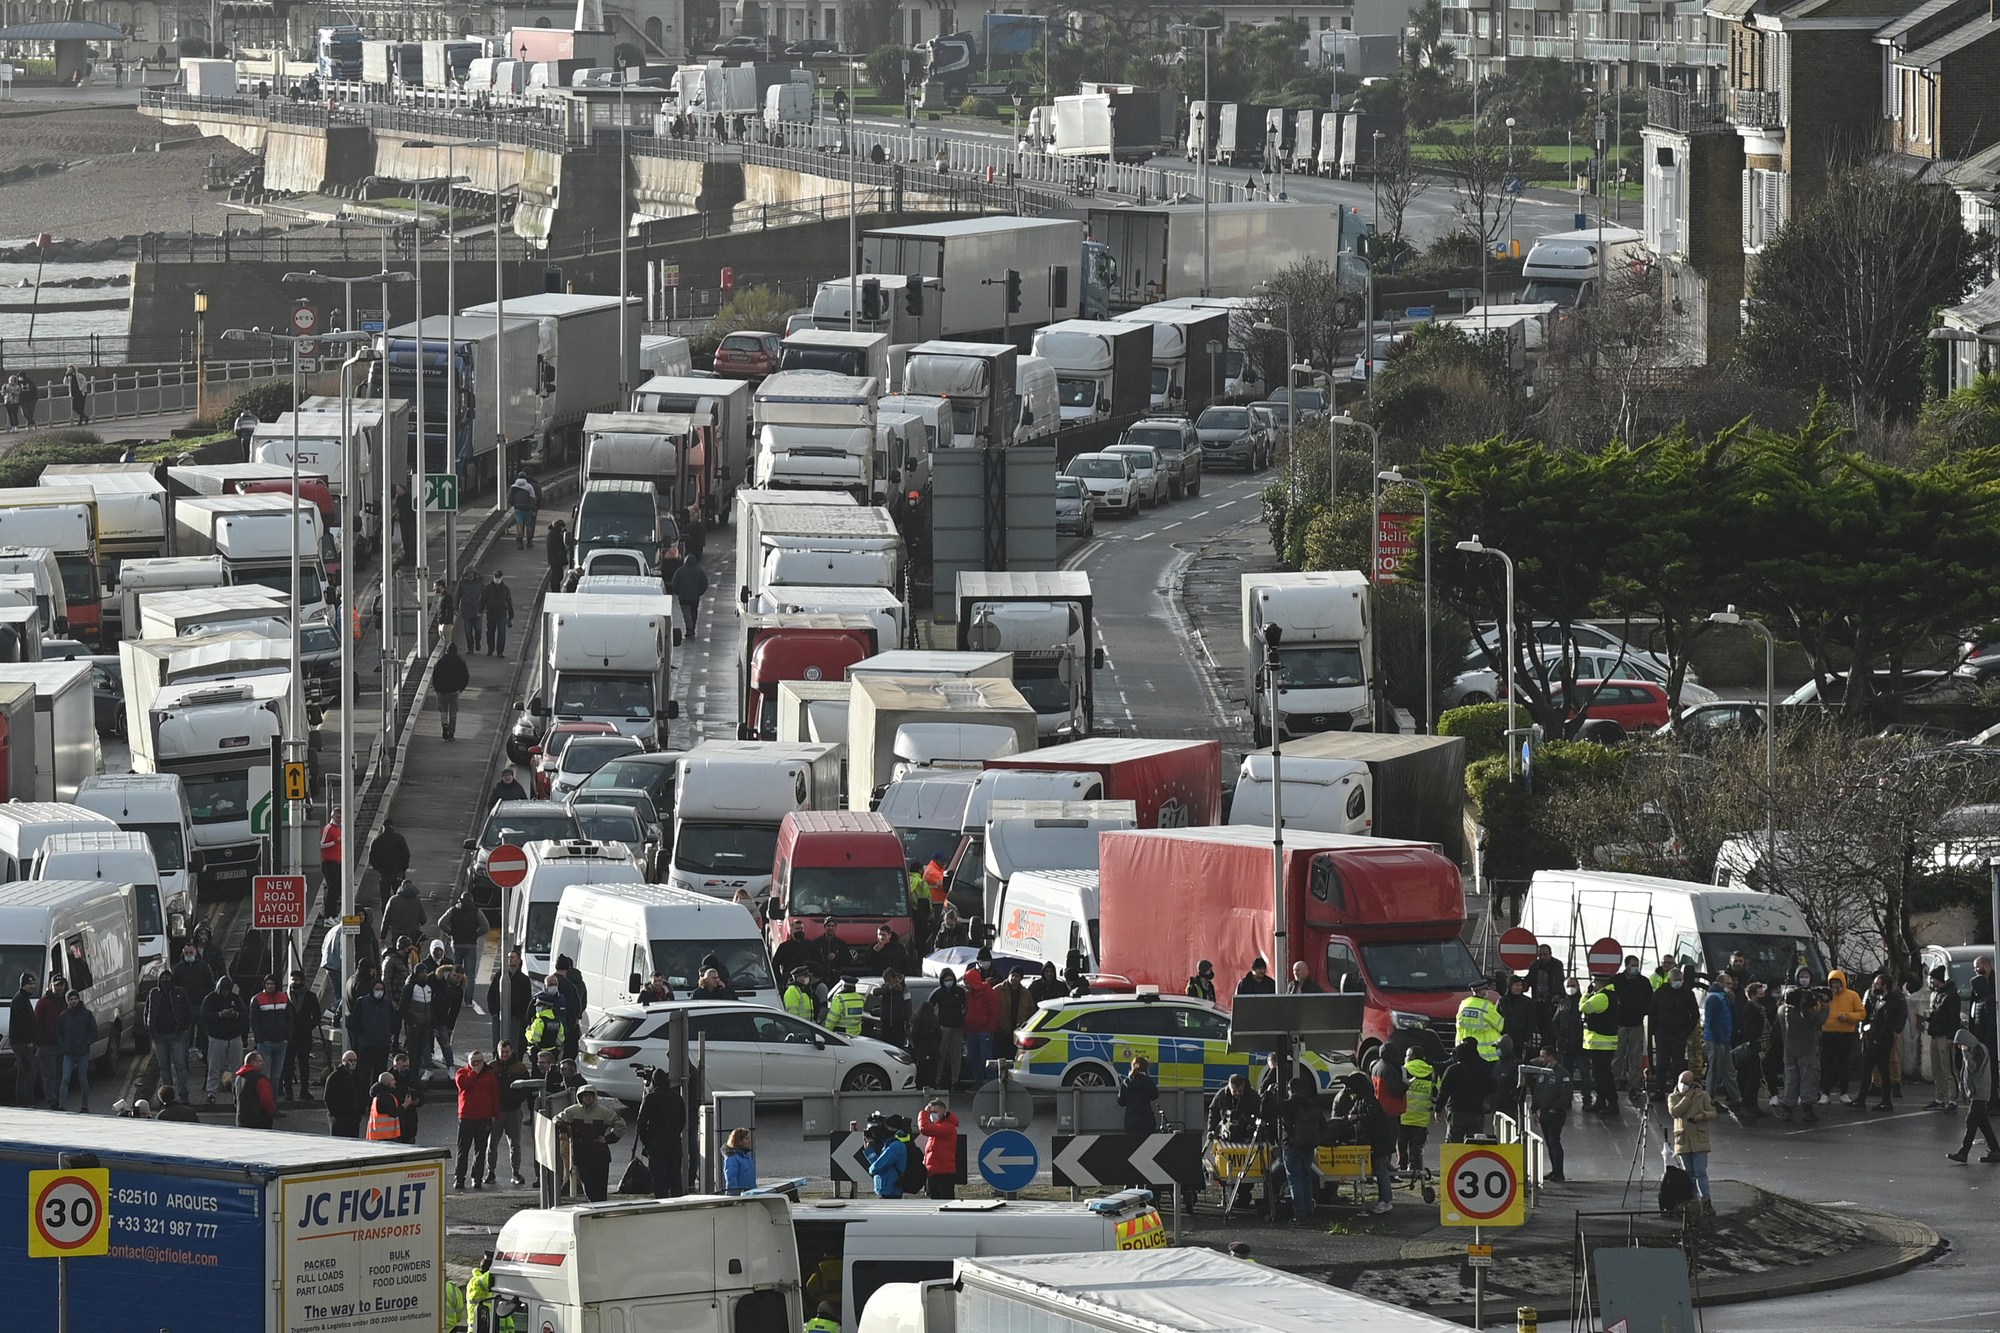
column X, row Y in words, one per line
column 559, row 548
column 1549, row 1094
column 256, row 1103
column 496, row 604
column 465, row 602
column 79, row 397
column 690, row 583
column 346, row 1097
column 523, row 499
column 389, row 858
column 48, row 1036
column 406, row 526
column 1693, row 1110
column 330, row 855
column 465, row 926
column 449, row 679
column 447, row 609
column 223, row 1018
column 1975, row 1079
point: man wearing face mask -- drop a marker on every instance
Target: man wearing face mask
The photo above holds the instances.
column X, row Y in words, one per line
column 1676, row 1015
column 371, row 1026
column 346, row 1097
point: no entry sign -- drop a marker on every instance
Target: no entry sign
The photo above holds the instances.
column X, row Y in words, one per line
column 1517, row 948
column 507, row 866
column 1605, row 958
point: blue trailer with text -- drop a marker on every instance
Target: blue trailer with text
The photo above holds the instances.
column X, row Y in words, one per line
column 213, row 1227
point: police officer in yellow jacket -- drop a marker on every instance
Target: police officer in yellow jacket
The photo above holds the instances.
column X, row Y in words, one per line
column 1479, row 1020
column 843, row 1007
column 799, row 999
column 1419, row 1097
column 826, row 1320
column 1600, row 1044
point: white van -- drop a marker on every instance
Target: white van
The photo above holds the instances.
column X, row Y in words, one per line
column 1040, row 401
column 26, row 825
column 1321, row 795
column 1046, row 835
column 1045, row 915
column 552, row 868
column 156, row 805
column 620, row 934
column 1654, row 918
column 122, row 858
column 85, row 931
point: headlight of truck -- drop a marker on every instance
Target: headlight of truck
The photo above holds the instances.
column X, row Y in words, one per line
column 1364, row 712
column 1408, row 1021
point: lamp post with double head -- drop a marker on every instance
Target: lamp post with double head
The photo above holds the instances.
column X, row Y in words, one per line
column 1201, row 162
column 1473, row 546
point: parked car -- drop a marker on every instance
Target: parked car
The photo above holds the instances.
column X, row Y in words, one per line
column 1148, row 472
column 652, row 857
column 1076, row 512
column 1919, row 687
column 516, row 823
column 1086, row 1042
column 1703, row 725
column 1179, row 446
column 743, row 47
column 748, row 1048
column 1635, row 705
column 1111, row 479
column 1233, row 437
column 747, row 355
column 813, row 46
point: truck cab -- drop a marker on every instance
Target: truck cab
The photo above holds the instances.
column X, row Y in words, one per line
column 731, row 800
column 1324, row 653
column 1566, row 266
column 840, row 871
column 1324, row 795
column 63, row 519
column 217, row 737
column 978, row 379
column 1045, row 620
column 608, row 659
column 617, row 514
column 794, row 647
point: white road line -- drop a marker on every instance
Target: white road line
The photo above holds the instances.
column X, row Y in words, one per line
column 1225, row 504
column 1142, row 536
column 1873, row 1119
column 1176, row 523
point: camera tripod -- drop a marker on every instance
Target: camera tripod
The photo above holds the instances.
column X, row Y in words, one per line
column 1638, row 1167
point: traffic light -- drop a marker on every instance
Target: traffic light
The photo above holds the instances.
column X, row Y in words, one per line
column 871, row 299
column 1058, row 286
column 913, row 296
column 1013, row 288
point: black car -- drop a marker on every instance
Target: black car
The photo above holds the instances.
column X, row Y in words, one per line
column 654, row 772
column 515, row 823
column 743, row 47
column 815, row 46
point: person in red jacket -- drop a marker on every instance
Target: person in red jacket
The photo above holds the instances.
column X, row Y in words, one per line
column 256, row 1101
column 478, row 1108
column 939, row 1128
column 982, row 1016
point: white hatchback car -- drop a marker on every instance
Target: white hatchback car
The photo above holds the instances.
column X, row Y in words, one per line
column 584, row 756
column 750, row 1049
column 1149, row 473
column 1111, row 479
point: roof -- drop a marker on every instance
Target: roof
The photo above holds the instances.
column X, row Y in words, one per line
column 1951, row 43
column 1981, row 171
column 1027, row 585
column 840, row 821
column 206, row 1150
column 1980, row 313
column 1930, row 11
column 62, row 31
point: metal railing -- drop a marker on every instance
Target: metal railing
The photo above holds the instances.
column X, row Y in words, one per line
column 94, row 349
column 1755, row 106
column 333, row 244
column 1684, row 113
column 143, row 391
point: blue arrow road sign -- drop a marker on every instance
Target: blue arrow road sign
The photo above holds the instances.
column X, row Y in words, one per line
column 1008, row 1160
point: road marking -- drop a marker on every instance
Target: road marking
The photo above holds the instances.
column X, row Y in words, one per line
column 1142, row 536
column 1873, row 1119
column 1176, row 523
column 1225, row 504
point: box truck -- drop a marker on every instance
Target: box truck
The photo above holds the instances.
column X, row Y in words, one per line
column 1176, row 784
column 1118, row 127
column 961, row 255
column 499, row 372
column 1103, row 367
column 897, row 723
column 1325, row 653
column 1044, row 618
column 1391, row 786
column 775, row 648
column 1045, row 836
column 132, row 518
column 814, row 710
column 902, row 312
column 216, row 735
column 724, row 407
column 1239, row 134
column 816, row 431
column 253, row 1228
column 1566, row 266
column 173, row 573
column 66, row 746
column 879, row 606
column 608, row 659
column 669, row 449
column 731, row 797
column 978, row 379
column 253, row 535
column 814, row 545
column 578, row 344
column 1184, row 370
column 63, row 519
column 1366, row 915
column 17, row 743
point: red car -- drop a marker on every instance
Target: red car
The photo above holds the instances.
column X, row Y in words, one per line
column 747, row 355
column 547, row 756
column 1636, row 705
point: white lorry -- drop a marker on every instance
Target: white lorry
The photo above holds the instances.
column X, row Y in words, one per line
column 1325, row 652
column 900, row 723
column 1045, row 835
column 254, row 536
column 184, row 612
column 883, row 609
column 860, row 354
column 1103, row 367
column 133, row 521
column 608, row 659
column 172, row 573
column 907, row 312
column 1044, row 618
column 724, row 406
column 156, row 806
column 978, row 381
column 1567, row 266
column 38, row 565
column 964, row 257
column 816, row 431
column 791, row 546
column 1158, row 247
column 67, row 749
column 933, row 411
column 658, row 447
column 731, row 797
column 63, row 519
column 1184, row 370
column 217, row 736
column 579, row 360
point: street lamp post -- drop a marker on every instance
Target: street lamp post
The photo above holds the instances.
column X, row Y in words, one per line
column 1375, row 489
column 350, row 483
column 1394, row 477
column 200, row 354
column 1201, row 162
column 1475, row 547
column 1291, row 394
column 1273, row 668
column 1730, row 616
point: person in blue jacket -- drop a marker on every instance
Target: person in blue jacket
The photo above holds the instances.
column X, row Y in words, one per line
column 739, row 1164
column 888, row 1160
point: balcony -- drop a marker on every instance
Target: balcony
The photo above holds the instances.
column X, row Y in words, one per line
column 1756, row 107
column 1684, row 113
column 1609, row 52
column 1555, row 48
column 1704, row 53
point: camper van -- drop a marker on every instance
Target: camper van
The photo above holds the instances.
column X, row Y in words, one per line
column 85, row 931
column 1660, row 918
column 552, row 868
column 620, row 934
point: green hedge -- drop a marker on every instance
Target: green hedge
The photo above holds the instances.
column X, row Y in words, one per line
column 1519, row 840
column 1484, row 727
column 22, row 465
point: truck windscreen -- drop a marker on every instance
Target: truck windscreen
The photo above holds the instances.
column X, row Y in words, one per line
column 848, row 891
column 217, row 798
column 603, row 696
column 79, row 578
column 744, row 962
column 1427, row 965
column 18, row 959
column 726, row 849
column 541, row 927
column 1045, row 694
column 1076, row 393
column 169, row 852
column 1773, row 959
column 1325, row 668
column 630, row 516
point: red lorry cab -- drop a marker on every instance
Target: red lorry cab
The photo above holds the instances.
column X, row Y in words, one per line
column 1367, row 915
column 1175, row 784
column 794, row 647
column 841, row 864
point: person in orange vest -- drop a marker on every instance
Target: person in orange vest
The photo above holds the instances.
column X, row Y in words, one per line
column 385, row 1110
column 329, row 863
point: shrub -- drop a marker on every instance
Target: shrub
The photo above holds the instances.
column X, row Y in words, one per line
column 23, row 464
column 266, row 400
column 885, row 71
column 1483, row 726
column 978, row 106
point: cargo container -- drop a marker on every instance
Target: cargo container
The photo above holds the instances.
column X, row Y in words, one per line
column 66, row 745
column 1158, row 247
column 208, row 78
column 840, row 298
column 1183, row 368
column 898, row 724
column 579, row 350
column 1239, row 134
column 498, row 376
column 880, row 606
column 959, row 255
column 562, row 44
column 1368, row 916
column 254, row 1229
column 814, row 710
column 1119, row 127
column 1175, row 784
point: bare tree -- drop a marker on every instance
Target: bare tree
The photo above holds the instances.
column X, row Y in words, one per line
column 1478, row 171
column 1398, row 183
column 1319, row 308
column 1602, row 370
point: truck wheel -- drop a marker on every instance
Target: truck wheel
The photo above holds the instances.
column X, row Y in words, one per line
column 865, row 1078
column 1089, row 1076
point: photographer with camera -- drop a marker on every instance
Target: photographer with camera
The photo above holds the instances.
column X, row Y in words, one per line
column 1800, row 1020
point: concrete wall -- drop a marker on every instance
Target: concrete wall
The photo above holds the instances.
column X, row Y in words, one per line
column 668, row 187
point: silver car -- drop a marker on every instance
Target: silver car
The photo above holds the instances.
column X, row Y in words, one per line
column 1076, row 512
column 1149, row 473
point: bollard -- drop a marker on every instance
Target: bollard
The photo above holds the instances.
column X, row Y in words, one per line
column 1526, row 1319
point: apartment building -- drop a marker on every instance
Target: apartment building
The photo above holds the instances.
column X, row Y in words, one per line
column 1614, row 43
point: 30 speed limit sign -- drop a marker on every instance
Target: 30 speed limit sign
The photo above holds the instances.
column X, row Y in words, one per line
column 1482, row 1185
column 67, row 1213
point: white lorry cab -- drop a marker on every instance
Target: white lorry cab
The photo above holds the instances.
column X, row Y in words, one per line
column 118, row 857
column 552, row 868
column 1657, row 918
column 1046, row 835
column 620, row 934
column 1323, row 618
column 156, row 805
column 730, row 800
column 84, row 931
column 1323, row 795
column 1047, row 915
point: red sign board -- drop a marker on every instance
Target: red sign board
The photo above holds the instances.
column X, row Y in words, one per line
column 1517, row 948
column 507, row 866
column 1393, row 542
column 278, row 902
column 1605, row 958
column 728, row 282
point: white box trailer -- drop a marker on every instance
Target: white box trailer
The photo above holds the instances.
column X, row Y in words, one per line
column 208, row 78
column 66, row 745
column 786, row 545
column 724, row 407
column 498, row 370
column 959, row 255
column 1158, row 247
column 179, row 614
column 257, row 1229
column 580, row 354
column 897, row 723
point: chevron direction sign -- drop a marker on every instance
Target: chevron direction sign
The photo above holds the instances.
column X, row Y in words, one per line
column 1088, row 1161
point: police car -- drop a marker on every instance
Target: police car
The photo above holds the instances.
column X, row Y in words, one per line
column 1089, row 1043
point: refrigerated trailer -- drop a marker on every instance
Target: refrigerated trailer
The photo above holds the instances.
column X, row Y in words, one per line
column 580, row 361
column 1158, row 247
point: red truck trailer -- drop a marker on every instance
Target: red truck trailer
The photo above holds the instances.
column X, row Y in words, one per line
column 1175, row 784
column 1365, row 914
column 792, row 647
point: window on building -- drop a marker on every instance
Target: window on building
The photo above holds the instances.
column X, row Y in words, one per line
column 916, row 27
